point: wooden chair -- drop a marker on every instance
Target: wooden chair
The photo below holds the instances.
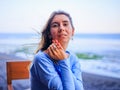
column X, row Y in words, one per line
column 17, row 70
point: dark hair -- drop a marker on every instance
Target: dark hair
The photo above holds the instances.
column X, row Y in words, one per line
column 45, row 38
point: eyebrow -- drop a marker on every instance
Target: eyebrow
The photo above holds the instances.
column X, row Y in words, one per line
column 66, row 21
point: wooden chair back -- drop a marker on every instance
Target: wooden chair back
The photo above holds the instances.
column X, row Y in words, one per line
column 17, row 70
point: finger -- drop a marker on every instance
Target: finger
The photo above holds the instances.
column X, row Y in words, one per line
column 53, row 41
column 53, row 48
column 56, row 41
column 50, row 52
column 59, row 46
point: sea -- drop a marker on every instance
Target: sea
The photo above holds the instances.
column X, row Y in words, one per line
column 106, row 46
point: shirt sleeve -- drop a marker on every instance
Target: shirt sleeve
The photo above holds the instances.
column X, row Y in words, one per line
column 76, row 69
column 66, row 78
column 71, row 74
column 66, row 75
column 46, row 73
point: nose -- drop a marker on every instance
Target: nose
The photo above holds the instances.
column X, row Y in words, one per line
column 61, row 28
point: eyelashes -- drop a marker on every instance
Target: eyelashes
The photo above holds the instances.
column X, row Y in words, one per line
column 54, row 25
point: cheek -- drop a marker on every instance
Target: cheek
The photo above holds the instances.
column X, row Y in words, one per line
column 53, row 34
column 70, row 33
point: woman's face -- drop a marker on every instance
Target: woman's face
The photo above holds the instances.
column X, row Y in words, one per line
column 61, row 28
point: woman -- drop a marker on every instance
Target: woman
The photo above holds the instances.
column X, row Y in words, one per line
column 55, row 68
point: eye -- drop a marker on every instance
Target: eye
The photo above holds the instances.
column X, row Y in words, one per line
column 65, row 24
column 54, row 25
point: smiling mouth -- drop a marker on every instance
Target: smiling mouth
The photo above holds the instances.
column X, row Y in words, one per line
column 62, row 35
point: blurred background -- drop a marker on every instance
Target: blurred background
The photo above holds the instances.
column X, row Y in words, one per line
column 96, row 41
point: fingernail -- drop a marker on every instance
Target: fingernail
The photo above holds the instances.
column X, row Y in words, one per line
column 56, row 41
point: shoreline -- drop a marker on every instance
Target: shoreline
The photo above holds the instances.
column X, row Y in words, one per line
column 90, row 81
column 4, row 56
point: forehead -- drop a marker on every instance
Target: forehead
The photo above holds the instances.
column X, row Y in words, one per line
column 60, row 18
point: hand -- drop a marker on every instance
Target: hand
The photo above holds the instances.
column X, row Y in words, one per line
column 56, row 52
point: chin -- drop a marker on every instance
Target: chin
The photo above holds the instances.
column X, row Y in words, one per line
column 63, row 41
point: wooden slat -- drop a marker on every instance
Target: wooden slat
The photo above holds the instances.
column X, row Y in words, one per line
column 17, row 70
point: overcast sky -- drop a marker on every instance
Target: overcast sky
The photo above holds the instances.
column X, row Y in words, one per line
column 89, row 16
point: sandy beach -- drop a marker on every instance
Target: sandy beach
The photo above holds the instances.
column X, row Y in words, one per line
column 90, row 81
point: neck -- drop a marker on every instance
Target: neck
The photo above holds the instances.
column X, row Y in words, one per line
column 64, row 45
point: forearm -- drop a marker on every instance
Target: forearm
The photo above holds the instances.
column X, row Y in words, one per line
column 44, row 71
column 71, row 76
column 77, row 75
column 66, row 75
column 55, row 84
column 78, row 83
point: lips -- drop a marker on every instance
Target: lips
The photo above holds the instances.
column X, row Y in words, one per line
column 62, row 35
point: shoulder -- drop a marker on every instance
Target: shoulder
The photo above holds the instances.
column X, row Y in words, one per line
column 71, row 54
column 41, row 57
column 73, row 57
column 74, row 60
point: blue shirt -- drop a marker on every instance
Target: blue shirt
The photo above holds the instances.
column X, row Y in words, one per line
column 48, row 75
